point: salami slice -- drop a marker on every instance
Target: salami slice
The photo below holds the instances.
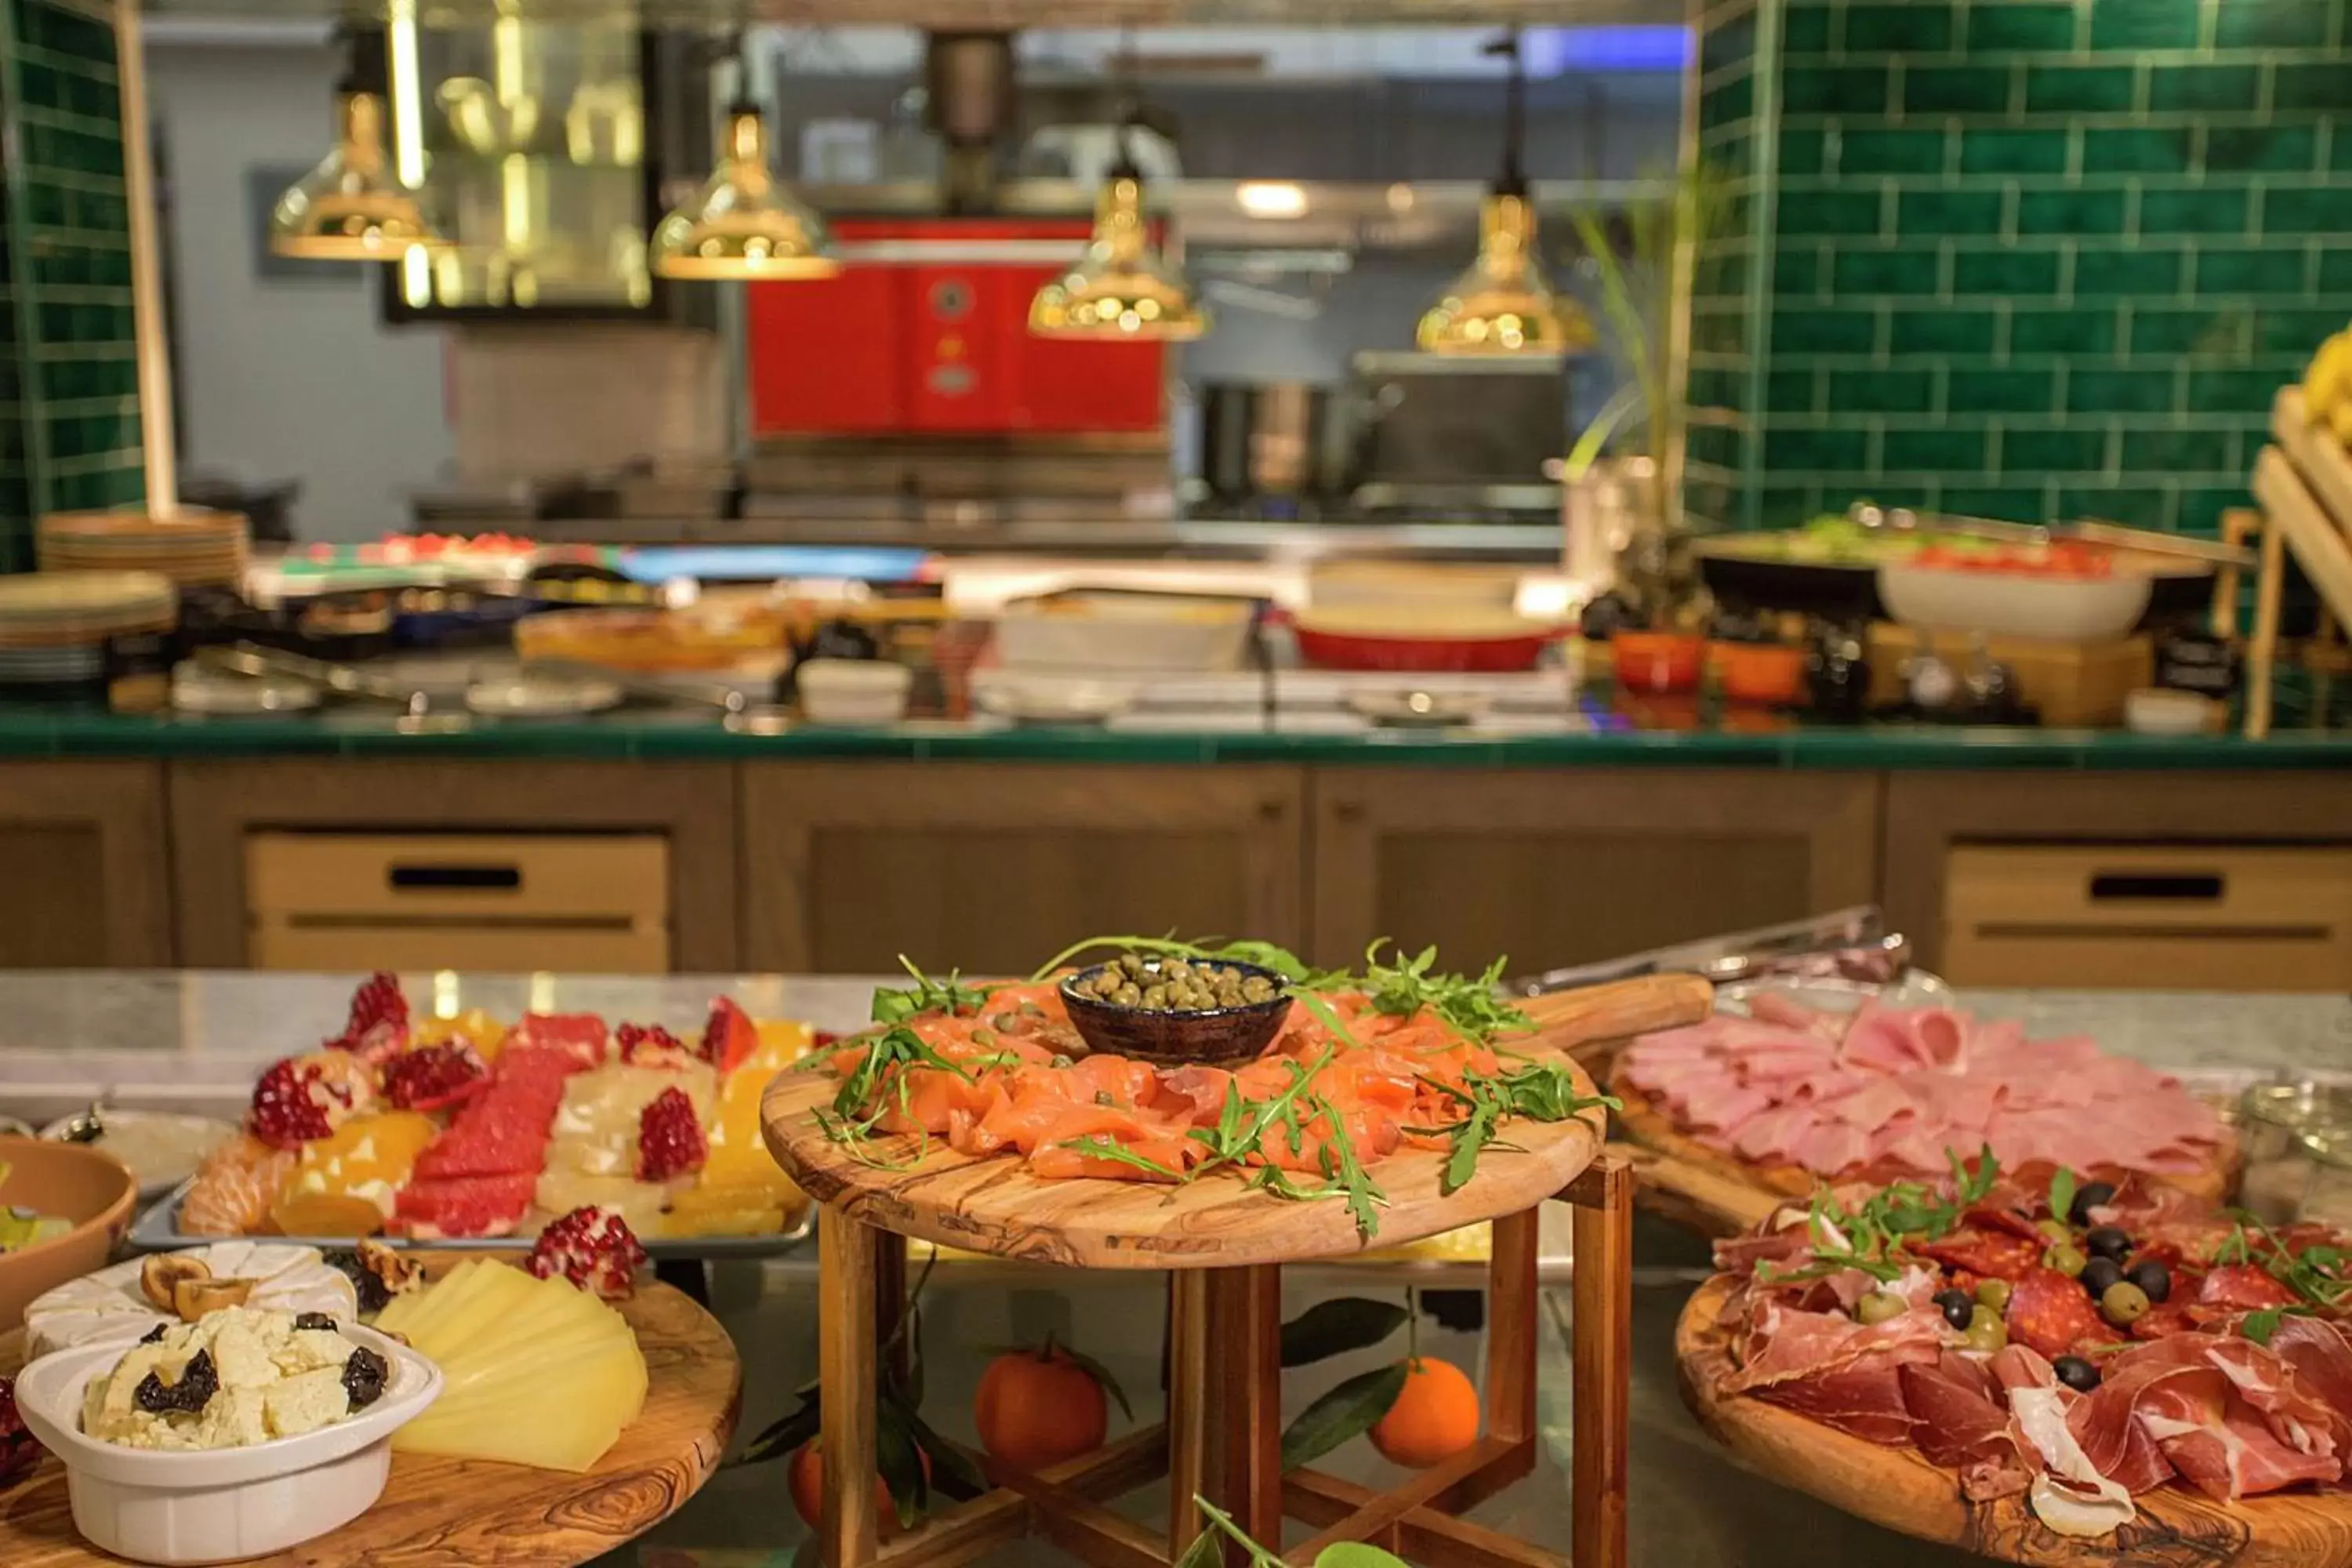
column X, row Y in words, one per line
column 2053, row 1314
column 1988, row 1253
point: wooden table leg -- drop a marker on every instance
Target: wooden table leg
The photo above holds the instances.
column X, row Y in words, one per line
column 1187, row 1404
column 849, row 1533
column 1511, row 1315
column 1601, row 1359
column 890, row 1304
column 1243, row 1474
column 2261, row 654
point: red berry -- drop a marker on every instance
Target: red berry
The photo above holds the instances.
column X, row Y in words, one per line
column 379, row 1019
column 594, row 1248
column 670, row 1138
column 432, row 1078
column 19, row 1450
column 288, row 1112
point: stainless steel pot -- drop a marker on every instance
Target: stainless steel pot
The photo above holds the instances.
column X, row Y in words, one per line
column 1275, row 440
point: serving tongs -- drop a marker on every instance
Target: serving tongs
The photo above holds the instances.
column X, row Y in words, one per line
column 736, row 711
column 418, row 713
column 1851, row 945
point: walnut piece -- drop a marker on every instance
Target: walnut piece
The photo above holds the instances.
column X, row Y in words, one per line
column 161, row 1276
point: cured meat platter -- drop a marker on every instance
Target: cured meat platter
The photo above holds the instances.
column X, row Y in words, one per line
column 1738, row 1113
column 2142, row 1381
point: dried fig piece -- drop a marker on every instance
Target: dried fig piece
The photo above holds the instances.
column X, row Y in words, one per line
column 192, row 1298
column 161, row 1276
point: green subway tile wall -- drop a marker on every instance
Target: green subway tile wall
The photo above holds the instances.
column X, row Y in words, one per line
column 68, row 371
column 2029, row 258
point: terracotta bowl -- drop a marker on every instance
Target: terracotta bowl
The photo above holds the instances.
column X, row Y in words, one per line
column 95, row 1191
column 1216, row 1037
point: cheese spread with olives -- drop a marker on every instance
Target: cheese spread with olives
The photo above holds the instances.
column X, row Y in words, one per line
column 236, row 1377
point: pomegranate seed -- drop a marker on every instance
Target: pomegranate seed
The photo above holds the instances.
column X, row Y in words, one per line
column 670, row 1138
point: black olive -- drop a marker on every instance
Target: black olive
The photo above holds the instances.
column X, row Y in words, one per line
column 2153, row 1278
column 364, row 1378
column 2108, row 1241
column 1956, row 1306
column 2076, row 1374
column 153, row 1336
column 314, row 1321
column 2088, row 1197
column 2099, row 1273
column 198, row 1382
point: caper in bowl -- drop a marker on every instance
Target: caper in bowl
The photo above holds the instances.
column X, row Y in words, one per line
column 1172, row 1010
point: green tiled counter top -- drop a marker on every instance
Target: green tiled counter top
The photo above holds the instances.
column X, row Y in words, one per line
column 39, row 732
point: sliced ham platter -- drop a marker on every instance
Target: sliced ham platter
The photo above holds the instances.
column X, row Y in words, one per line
column 1784, row 1098
column 2040, row 1368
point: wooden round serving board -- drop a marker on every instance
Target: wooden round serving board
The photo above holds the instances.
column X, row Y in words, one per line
column 1724, row 1194
column 2177, row 1527
column 992, row 1204
column 466, row 1514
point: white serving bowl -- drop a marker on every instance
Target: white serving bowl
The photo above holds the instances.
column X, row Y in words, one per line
column 854, row 690
column 224, row 1504
column 1100, row 634
column 2013, row 605
column 1048, row 700
column 2155, row 710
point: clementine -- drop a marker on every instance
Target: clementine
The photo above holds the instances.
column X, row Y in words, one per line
column 805, row 1477
column 1434, row 1418
column 1037, row 1408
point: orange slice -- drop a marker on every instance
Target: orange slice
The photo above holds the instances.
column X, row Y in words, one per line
column 325, row 1213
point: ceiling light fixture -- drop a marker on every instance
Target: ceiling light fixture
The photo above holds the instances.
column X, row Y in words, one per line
column 1122, row 288
column 742, row 223
column 1503, row 304
column 352, row 207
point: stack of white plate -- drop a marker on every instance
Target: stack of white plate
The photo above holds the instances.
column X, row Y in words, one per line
column 53, row 624
column 191, row 547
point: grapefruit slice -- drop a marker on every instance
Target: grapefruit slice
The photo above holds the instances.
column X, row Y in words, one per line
column 466, row 1205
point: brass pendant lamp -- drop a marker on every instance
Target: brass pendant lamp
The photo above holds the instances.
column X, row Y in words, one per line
column 742, row 223
column 1503, row 304
column 352, row 207
column 1122, row 288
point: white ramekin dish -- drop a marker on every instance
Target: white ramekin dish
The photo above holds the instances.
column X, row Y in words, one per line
column 854, row 690
column 224, row 1504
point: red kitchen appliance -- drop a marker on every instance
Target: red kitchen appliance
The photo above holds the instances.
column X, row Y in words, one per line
column 903, row 344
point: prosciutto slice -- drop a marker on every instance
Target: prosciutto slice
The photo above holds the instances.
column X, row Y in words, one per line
column 1887, row 1092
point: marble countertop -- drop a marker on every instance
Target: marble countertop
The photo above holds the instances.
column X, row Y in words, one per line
column 215, row 1030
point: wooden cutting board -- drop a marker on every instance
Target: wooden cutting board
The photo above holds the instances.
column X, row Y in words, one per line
column 2177, row 1527
column 992, row 1205
column 465, row 1513
column 1722, row 1195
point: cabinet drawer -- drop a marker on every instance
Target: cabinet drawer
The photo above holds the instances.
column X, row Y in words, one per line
column 2155, row 917
column 564, row 876
column 593, row 903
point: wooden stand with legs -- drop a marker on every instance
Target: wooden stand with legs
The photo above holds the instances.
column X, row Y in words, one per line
column 1222, row 1245
column 1222, row 1436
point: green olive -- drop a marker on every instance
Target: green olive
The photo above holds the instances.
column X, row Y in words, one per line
column 2125, row 1304
column 1993, row 1293
column 2056, row 1230
column 1987, row 1334
column 2066, row 1258
column 1879, row 1306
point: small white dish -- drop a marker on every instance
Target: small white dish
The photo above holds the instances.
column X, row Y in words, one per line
column 538, row 696
column 1055, row 702
column 853, row 690
column 1417, row 709
column 2161, row 710
column 198, row 690
column 163, row 1148
column 226, row 1504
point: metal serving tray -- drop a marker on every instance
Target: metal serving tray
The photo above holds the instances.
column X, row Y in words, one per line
column 158, row 1230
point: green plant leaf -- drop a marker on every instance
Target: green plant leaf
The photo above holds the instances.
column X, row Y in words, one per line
column 2061, row 1195
column 1101, row 1375
column 780, row 1439
column 1348, row 1411
column 1338, row 1326
column 898, row 1456
column 952, row 1473
column 1355, row 1555
column 1208, row 1550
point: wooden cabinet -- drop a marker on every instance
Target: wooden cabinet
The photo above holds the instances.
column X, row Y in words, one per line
column 991, row 866
column 2156, row 881
column 298, row 863
column 85, row 876
column 1558, row 867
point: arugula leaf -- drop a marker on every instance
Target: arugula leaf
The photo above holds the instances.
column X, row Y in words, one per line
column 2061, row 1195
column 2235, row 1249
column 927, row 996
column 1207, row 1551
column 1474, row 1007
column 1117, row 1154
column 1540, row 1092
column 1970, row 1187
column 1263, row 955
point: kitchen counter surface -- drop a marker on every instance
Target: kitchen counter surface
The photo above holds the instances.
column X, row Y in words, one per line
column 1588, row 733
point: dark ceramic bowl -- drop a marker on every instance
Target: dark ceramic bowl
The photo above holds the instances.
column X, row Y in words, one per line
column 1218, row 1036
